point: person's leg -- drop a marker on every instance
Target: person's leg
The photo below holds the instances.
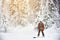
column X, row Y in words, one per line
column 42, row 33
column 38, row 33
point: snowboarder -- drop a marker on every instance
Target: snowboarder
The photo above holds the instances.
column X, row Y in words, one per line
column 40, row 28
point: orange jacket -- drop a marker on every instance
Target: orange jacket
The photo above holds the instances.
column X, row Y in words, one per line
column 41, row 26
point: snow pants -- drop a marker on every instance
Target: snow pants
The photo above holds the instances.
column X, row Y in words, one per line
column 39, row 32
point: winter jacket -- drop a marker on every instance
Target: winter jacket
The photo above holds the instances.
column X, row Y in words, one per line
column 41, row 26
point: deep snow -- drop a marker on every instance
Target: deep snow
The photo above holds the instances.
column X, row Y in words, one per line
column 27, row 33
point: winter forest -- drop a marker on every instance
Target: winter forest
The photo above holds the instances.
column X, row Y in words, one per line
column 19, row 19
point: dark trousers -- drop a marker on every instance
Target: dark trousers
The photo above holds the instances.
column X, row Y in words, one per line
column 39, row 33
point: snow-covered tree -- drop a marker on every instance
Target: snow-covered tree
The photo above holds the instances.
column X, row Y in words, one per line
column 23, row 12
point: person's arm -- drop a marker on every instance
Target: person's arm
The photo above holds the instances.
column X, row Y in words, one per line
column 43, row 25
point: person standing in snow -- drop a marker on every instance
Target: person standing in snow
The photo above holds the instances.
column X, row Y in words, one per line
column 40, row 28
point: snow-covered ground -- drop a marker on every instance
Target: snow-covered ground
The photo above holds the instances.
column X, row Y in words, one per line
column 27, row 33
